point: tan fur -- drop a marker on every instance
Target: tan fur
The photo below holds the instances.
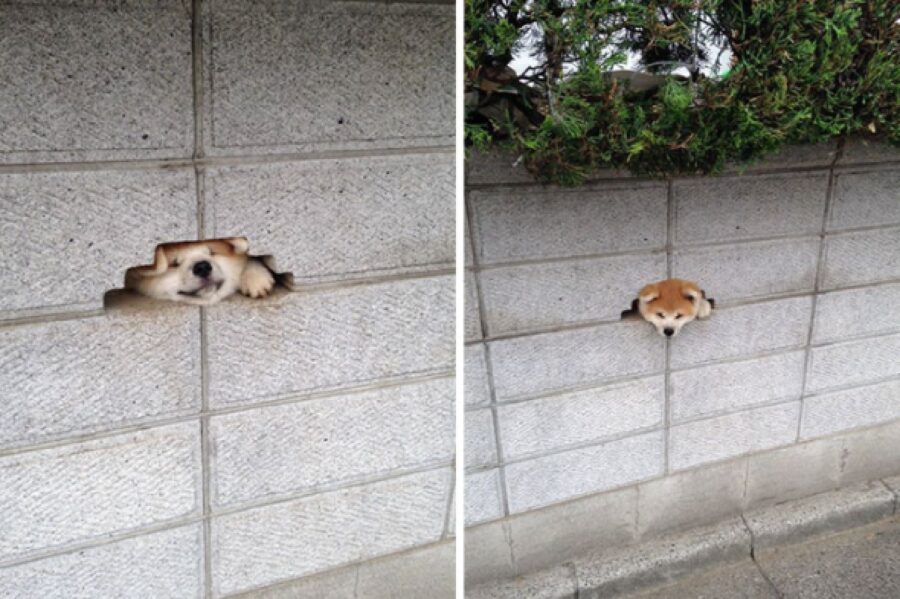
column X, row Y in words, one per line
column 172, row 275
column 670, row 304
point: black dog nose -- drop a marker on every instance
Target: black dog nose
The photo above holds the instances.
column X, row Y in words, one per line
column 202, row 269
column 668, row 332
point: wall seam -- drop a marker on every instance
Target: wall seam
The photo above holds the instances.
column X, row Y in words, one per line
column 820, row 259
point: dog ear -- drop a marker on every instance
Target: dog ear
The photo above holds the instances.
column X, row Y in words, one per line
column 633, row 311
column 648, row 293
column 240, row 244
column 692, row 292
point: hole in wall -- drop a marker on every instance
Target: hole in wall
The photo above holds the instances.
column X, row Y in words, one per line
column 200, row 272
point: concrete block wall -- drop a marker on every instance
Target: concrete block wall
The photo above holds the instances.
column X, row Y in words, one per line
column 574, row 415
column 170, row 451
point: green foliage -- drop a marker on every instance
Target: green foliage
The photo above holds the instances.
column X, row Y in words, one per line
column 800, row 71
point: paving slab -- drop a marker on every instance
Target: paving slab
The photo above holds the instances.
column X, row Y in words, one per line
column 740, row 581
column 861, row 563
column 556, row 583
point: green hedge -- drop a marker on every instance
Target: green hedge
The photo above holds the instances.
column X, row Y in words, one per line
column 800, row 71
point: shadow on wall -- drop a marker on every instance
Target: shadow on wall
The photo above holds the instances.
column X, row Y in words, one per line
column 201, row 272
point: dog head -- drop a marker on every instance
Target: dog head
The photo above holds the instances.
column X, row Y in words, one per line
column 669, row 305
column 195, row 272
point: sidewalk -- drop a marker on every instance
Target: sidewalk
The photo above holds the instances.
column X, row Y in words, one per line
column 859, row 563
column 843, row 544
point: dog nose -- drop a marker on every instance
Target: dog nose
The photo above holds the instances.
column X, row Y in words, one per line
column 202, row 269
column 669, row 332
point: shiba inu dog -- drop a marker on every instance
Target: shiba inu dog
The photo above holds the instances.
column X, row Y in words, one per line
column 201, row 272
column 669, row 305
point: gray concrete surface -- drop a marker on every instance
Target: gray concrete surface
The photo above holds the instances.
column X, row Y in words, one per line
column 840, row 544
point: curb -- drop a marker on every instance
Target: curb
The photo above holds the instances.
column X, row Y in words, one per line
column 672, row 556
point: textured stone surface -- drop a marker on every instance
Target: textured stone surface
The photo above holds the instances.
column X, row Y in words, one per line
column 339, row 219
column 556, row 422
column 694, row 497
column 286, row 540
column 83, row 491
column 481, row 448
column 662, row 560
column 333, row 584
column 529, row 365
column 793, row 472
column 284, row 449
column 853, row 362
column 842, row 314
column 162, row 564
column 866, row 149
column 740, row 581
column 871, row 453
column 826, row 512
column 820, row 154
column 550, row 536
column 476, row 389
column 272, row 70
column 569, row 474
column 426, row 572
column 537, row 296
column 65, row 378
column 731, row 435
column 842, row 410
column 859, row 258
column 743, row 330
column 303, row 342
column 732, row 208
column 531, row 223
column 555, row 583
column 70, row 95
column 472, row 313
column 483, row 499
column 495, row 168
column 865, row 198
column 859, row 563
column 747, row 270
column 68, row 237
column 723, row 387
column 488, row 554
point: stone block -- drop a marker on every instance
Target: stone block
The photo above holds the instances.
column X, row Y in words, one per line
column 853, row 363
column 526, row 366
column 734, row 208
column 750, row 270
column 570, row 474
column 731, row 435
column 861, row 258
column 483, row 498
column 86, row 491
column 738, row 331
column 65, row 378
column 542, row 223
column 262, row 546
column 271, row 76
column 274, row 451
column 853, row 312
column 69, row 236
column 160, row 564
column 735, row 385
column 539, row 296
column 68, row 97
column 326, row 220
column 299, row 343
column 554, row 423
column 863, row 199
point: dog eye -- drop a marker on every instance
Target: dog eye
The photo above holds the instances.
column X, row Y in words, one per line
column 660, row 314
column 176, row 263
column 677, row 316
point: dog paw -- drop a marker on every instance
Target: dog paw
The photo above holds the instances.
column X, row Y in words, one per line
column 705, row 311
column 257, row 280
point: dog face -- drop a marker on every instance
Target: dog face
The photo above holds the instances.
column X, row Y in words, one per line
column 195, row 272
column 669, row 305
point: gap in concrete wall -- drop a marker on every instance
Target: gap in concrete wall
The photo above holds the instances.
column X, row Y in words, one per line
column 181, row 269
